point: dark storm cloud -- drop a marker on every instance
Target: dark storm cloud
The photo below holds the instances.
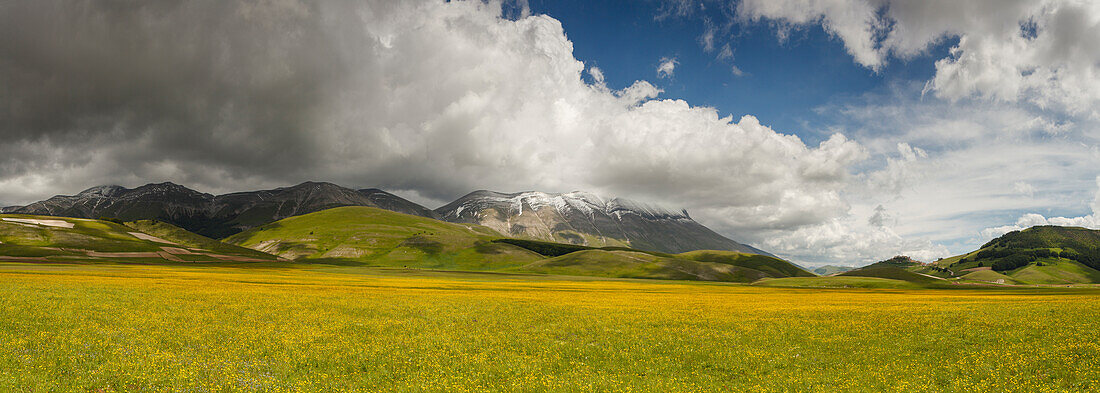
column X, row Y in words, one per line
column 428, row 97
column 219, row 84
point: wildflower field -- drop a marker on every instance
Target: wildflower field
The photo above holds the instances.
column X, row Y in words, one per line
column 105, row 328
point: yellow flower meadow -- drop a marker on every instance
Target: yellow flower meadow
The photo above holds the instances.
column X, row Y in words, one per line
column 119, row 328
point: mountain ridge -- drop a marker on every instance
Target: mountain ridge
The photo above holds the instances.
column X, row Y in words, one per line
column 211, row 215
column 575, row 217
column 588, row 219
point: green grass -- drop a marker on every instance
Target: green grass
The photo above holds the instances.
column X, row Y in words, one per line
column 380, row 237
column 112, row 328
column 548, row 249
column 632, row 264
column 837, row 282
column 37, row 240
column 829, row 270
column 60, row 244
column 185, row 238
column 376, row 237
column 1037, row 242
column 890, row 272
column 1057, row 272
column 990, row 277
column 771, row 266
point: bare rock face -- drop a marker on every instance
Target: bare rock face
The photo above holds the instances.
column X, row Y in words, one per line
column 215, row 216
column 588, row 219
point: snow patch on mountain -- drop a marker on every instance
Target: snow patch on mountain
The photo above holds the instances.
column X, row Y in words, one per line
column 585, row 203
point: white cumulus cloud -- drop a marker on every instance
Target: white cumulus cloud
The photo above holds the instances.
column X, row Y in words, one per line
column 1040, row 52
column 431, row 98
column 667, row 67
column 1091, row 221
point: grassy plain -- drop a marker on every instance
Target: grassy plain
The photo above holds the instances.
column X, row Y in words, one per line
column 283, row 327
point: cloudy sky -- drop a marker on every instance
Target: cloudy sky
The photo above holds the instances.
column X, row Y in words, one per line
column 825, row 131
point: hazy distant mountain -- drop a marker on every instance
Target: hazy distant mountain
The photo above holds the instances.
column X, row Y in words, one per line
column 215, row 216
column 829, row 270
column 587, row 219
column 897, row 261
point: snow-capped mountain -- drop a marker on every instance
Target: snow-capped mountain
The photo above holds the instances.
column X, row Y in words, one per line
column 588, row 219
column 214, row 215
column 575, row 217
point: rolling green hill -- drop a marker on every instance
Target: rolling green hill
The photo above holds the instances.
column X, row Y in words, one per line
column 896, row 272
column 890, row 272
column 626, row 262
column 186, row 238
column 377, row 237
column 1046, row 255
column 990, row 276
column 634, row 264
column 716, row 266
column 373, row 236
column 52, row 239
column 901, row 261
column 838, row 282
column 771, row 266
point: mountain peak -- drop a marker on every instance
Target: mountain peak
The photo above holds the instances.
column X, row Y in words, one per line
column 589, row 219
column 102, row 191
column 581, row 201
column 315, row 184
column 167, row 188
column 210, row 215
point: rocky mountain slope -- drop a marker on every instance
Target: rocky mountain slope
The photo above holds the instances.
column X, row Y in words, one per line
column 587, row 219
column 214, row 216
column 575, row 218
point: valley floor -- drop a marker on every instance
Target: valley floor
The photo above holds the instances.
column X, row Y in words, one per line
column 110, row 328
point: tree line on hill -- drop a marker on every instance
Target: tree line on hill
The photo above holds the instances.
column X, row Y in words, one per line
column 1014, row 257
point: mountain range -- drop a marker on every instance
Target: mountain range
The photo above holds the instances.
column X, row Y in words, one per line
column 576, row 218
column 214, row 216
column 588, row 219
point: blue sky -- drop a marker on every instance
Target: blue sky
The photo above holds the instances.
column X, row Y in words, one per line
column 783, row 82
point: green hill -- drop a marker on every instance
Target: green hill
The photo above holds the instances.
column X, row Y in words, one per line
column 837, row 282
column 896, row 272
column 829, row 270
column 623, row 262
column 772, row 266
column 1048, row 255
column 990, row 276
column 189, row 239
column 634, row 264
column 377, row 237
column 54, row 239
column 890, row 272
column 380, row 237
column 901, row 261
